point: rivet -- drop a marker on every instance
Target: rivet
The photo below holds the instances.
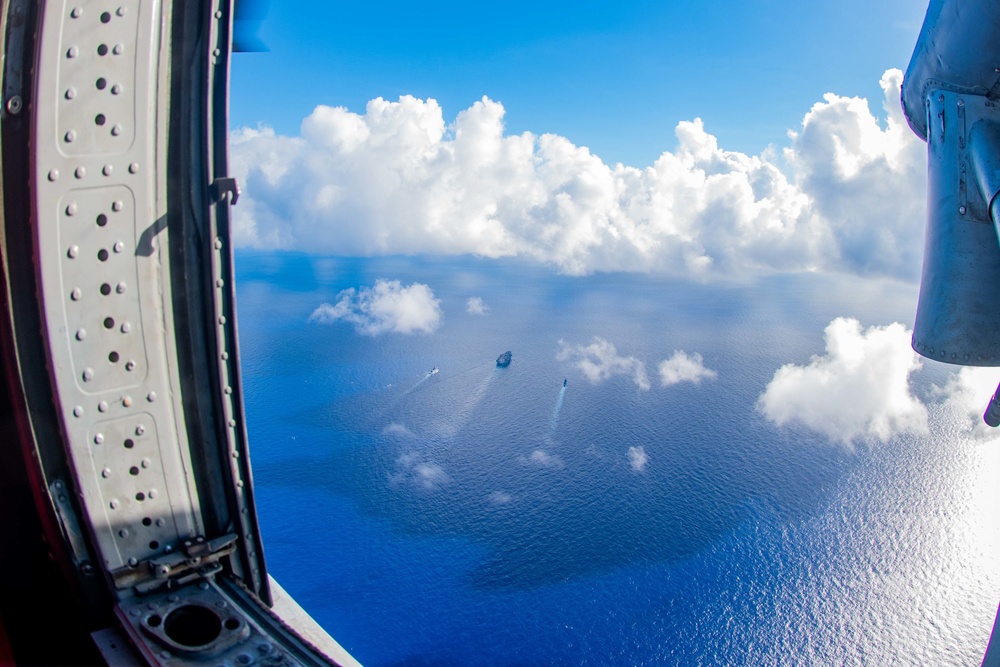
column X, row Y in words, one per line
column 99, row 439
column 140, row 429
column 123, row 532
column 203, row 586
column 228, row 390
column 116, row 206
column 961, row 210
column 216, row 52
column 133, row 561
column 236, row 455
column 116, row 130
column 151, row 396
column 113, row 504
column 218, row 13
column 129, row 365
column 115, row 89
column 81, row 334
column 103, row 406
column 119, row 246
column 126, row 327
column 120, row 288
column 218, row 244
column 120, row 11
column 221, row 604
column 70, row 136
column 232, row 423
column 224, row 356
column 127, row 401
column 107, row 170
column 219, row 282
column 106, row 473
column 54, row 175
column 152, row 493
column 118, row 49
column 80, row 172
column 77, row 12
column 133, row 168
column 161, row 523
column 78, row 411
column 70, row 93
column 145, row 463
column 88, row 374
column 73, row 52
column 961, row 103
column 75, row 294
column 222, row 319
column 73, row 251
column 72, row 208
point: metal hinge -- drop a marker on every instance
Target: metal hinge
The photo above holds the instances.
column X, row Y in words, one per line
column 198, row 559
column 221, row 186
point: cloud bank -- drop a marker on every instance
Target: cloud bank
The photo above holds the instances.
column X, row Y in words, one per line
column 399, row 179
column 600, row 361
column 386, row 307
column 859, row 388
column 684, row 367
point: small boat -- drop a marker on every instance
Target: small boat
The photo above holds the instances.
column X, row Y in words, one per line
column 503, row 361
column 565, row 380
column 435, row 371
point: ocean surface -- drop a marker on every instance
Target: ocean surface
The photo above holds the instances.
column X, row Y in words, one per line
column 484, row 516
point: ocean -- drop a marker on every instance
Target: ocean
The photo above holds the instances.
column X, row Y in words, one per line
column 486, row 516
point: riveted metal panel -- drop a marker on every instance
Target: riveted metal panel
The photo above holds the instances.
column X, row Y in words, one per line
column 101, row 254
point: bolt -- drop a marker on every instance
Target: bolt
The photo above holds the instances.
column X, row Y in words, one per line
column 163, row 571
column 133, row 168
column 151, row 396
column 203, row 586
column 73, row 251
column 961, row 210
column 123, row 533
column 70, row 136
column 103, row 406
column 126, row 327
column 127, row 401
column 129, row 365
column 70, row 93
column 80, row 172
column 118, row 49
column 107, row 170
column 133, row 561
column 77, row 12
column 81, row 334
column 116, row 130
column 119, row 246
column 86, row 568
column 105, row 474
column 116, row 206
column 75, row 294
column 73, row 52
column 113, row 504
column 14, row 105
column 140, row 429
column 54, row 175
column 88, row 374
column 121, row 288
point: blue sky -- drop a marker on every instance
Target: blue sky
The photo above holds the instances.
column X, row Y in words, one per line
column 612, row 77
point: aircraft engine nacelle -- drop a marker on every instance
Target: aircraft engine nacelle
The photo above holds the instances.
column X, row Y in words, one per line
column 951, row 98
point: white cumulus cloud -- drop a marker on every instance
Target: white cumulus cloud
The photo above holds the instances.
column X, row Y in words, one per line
column 425, row 475
column 684, row 367
column 859, row 388
column 476, row 306
column 388, row 306
column 637, row 458
column 600, row 361
column 543, row 459
column 400, row 179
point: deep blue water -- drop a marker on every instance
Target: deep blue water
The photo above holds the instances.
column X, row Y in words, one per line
column 411, row 516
